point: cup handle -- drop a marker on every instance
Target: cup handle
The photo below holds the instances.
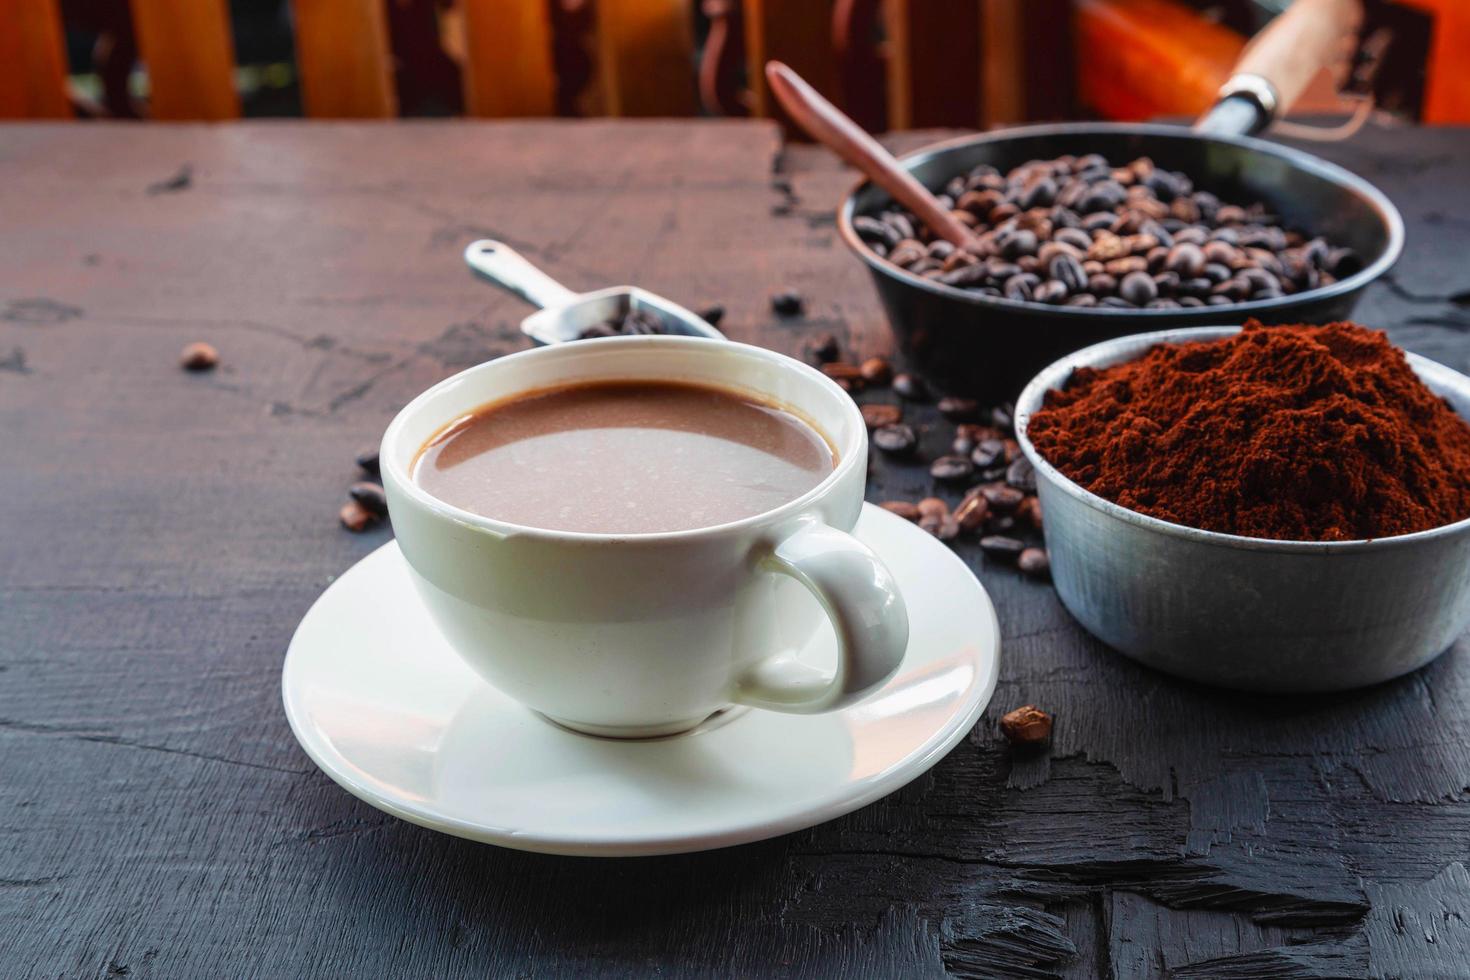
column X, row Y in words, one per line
column 862, row 600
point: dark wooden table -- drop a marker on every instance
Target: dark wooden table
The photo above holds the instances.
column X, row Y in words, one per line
column 162, row 533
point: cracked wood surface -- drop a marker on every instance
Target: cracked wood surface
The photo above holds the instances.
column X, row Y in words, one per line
column 164, row 532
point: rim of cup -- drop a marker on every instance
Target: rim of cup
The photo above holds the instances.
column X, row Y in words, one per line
column 848, row 455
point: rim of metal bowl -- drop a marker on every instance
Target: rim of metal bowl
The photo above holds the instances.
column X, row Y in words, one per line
column 1135, row 345
column 1387, row 213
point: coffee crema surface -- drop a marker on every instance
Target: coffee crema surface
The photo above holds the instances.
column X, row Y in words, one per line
column 624, row 457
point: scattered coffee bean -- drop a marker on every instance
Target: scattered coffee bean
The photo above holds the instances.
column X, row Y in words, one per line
column 355, row 517
column 895, row 439
column 198, row 356
column 1022, row 475
column 907, row 510
column 822, row 349
column 1035, row 562
column 712, row 314
column 876, row 371
column 933, row 506
column 1001, row 547
column 1002, row 498
column 367, row 461
column 951, row 468
column 971, row 512
column 959, row 409
column 842, row 371
column 1003, row 417
column 788, row 303
column 1029, row 510
column 998, row 523
column 879, row 416
column 910, row 387
column 988, row 452
column 370, row 496
column 1028, row 725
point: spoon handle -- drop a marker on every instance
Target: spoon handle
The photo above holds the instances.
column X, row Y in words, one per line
column 513, row 272
column 830, row 126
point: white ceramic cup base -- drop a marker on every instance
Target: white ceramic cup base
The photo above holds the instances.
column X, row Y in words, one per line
column 634, row 731
column 388, row 710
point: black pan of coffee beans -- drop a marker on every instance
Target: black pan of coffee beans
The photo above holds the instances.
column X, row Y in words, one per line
column 1091, row 231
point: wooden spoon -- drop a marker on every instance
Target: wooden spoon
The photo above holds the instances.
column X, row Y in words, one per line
column 829, row 126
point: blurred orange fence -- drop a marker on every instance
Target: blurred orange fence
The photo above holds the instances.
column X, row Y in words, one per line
column 892, row 64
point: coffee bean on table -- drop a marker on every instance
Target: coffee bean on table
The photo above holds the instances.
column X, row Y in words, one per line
column 822, row 349
column 1022, row 475
column 198, row 356
column 906, row 509
column 370, row 496
column 987, row 453
column 355, row 517
column 910, row 387
column 951, row 468
column 788, row 303
column 876, row 371
column 367, row 461
column 1029, row 510
column 895, row 439
column 933, row 506
column 1002, row 498
column 842, row 371
column 1025, row 726
column 1002, row 547
column 959, row 409
column 1003, row 417
column 972, row 511
column 1035, row 562
column 712, row 314
column 878, row 416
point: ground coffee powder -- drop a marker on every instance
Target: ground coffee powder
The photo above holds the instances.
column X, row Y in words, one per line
column 1299, row 433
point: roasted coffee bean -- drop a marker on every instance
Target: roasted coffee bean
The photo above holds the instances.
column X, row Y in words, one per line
column 972, row 511
column 895, row 439
column 871, row 229
column 198, row 356
column 822, row 349
column 1162, row 303
column 1001, row 524
column 876, row 371
column 910, row 387
column 788, row 303
column 1216, row 273
column 842, row 371
column 959, row 409
column 712, row 314
column 1039, row 194
column 1022, row 475
column 1126, row 266
column 1067, row 270
column 951, row 468
column 964, row 275
column 1021, row 286
column 1002, row 547
column 877, row 416
column 1001, row 498
column 899, row 223
column 367, row 461
column 1167, row 282
column 933, row 506
column 1115, row 302
column 908, row 510
column 987, row 453
column 1035, row 562
column 607, row 328
column 963, row 444
column 1081, row 299
column 1050, row 291
column 1016, row 243
column 369, row 496
column 355, row 517
column 1029, row 510
column 1101, row 284
column 1138, row 288
column 1076, row 237
column 1026, row 726
column 1186, row 261
column 940, row 249
column 1003, row 417
column 907, row 252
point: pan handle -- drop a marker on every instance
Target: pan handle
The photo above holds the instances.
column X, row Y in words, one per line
column 1280, row 62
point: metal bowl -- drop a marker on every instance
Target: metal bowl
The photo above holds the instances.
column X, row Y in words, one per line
column 1251, row 613
column 987, row 347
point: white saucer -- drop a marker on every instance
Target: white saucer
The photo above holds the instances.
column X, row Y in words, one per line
column 384, row 706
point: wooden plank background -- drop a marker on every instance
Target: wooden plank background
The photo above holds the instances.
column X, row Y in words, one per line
column 164, row 532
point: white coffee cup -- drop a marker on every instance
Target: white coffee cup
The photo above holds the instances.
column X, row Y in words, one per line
column 639, row 635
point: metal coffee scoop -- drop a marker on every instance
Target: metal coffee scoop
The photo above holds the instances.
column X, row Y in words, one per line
column 565, row 314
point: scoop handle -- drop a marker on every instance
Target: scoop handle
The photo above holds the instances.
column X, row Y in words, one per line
column 834, row 129
column 513, row 272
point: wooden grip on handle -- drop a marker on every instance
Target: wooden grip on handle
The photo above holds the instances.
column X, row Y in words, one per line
column 1309, row 36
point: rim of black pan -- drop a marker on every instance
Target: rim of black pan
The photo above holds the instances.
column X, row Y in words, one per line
column 1389, row 214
